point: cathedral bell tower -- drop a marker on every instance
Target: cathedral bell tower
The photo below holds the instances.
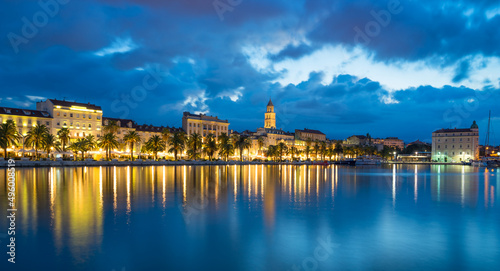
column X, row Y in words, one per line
column 270, row 121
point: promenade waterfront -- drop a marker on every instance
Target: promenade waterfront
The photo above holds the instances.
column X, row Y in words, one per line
column 139, row 162
column 256, row 217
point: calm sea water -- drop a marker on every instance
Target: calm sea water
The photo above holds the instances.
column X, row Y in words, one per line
column 255, row 218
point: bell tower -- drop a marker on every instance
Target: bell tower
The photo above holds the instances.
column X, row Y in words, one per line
column 270, row 121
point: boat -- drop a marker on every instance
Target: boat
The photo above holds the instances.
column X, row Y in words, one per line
column 368, row 160
column 467, row 163
column 320, row 163
column 347, row 162
column 479, row 163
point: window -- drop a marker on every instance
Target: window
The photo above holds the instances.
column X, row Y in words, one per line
column 90, row 125
column 77, row 115
column 70, row 115
column 64, row 114
column 83, row 115
column 439, row 146
column 47, row 123
column 58, row 113
column 98, row 117
column 58, row 124
column 90, row 117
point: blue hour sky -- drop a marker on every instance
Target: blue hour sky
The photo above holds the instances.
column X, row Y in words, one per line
column 388, row 68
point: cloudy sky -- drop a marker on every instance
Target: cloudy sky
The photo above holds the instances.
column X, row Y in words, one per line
column 390, row 68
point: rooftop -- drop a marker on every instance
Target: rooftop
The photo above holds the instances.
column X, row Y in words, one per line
column 69, row 104
column 202, row 117
column 270, row 103
column 454, row 130
column 24, row 112
column 310, row 131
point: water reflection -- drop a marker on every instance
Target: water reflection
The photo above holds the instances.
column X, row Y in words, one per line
column 80, row 207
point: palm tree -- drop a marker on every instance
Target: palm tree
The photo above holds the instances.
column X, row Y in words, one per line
column 91, row 142
column 131, row 138
column 50, row 142
column 155, row 144
column 282, row 149
column 8, row 135
column 111, row 127
column 308, row 147
column 242, row 143
column 330, row 151
column 194, row 144
column 308, row 150
column 108, row 141
column 272, row 152
column 35, row 137
column 293, row 151
column 260, row 143
column 338, row 149
column 210, row 146
column 165, row 134
column 226, row 148
column 81, row 145
column 316, row 149
column 322, row 150
column 64, row 137
column 177, row 143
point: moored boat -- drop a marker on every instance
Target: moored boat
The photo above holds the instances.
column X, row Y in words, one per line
column 368, row 160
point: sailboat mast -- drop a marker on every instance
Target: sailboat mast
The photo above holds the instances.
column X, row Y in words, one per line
column 487, row 143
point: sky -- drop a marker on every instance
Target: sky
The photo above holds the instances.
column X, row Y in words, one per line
column 388, row 68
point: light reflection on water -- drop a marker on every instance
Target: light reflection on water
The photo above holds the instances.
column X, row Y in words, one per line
column 256, row 217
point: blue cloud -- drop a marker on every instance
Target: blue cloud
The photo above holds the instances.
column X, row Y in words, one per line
column 195, row 52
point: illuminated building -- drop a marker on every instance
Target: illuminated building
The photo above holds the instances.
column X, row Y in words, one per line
column 82, row 119
column 25, row 118
column 203, row 124
column 454, row 145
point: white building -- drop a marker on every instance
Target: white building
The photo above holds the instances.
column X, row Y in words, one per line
column 455, row 145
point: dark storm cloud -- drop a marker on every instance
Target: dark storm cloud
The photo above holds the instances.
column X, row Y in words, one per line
column 422, row 29
column 293, row 52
